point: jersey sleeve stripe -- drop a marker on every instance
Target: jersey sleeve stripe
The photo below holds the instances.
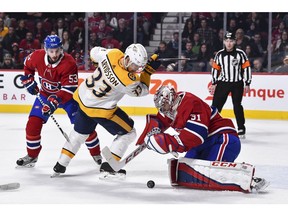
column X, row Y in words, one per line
column 246, row 64
column 213, row 112
column 192, row 123
column 197, row 127
column 195, row 134
column 221, row 129
column 69, row 90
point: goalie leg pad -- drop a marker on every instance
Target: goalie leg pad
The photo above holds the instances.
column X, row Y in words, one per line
column 172, row 171
column 214, row 175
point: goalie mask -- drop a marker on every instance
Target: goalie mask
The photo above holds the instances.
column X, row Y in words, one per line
column 166, row 101
column 137, row 56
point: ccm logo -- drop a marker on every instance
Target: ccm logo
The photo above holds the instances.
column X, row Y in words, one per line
column 223, row 164
column 134, row 154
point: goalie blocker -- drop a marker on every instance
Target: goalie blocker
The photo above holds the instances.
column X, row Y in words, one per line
column 214, row 175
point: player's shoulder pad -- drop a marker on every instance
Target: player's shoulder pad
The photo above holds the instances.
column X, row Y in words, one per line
column 39, row 52
column 127, row 78
column 36, row 56
column 132, row 76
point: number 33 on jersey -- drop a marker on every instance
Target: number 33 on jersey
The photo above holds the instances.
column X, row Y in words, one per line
column 99, row 94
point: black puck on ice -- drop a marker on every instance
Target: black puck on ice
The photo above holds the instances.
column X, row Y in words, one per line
column 150, row 184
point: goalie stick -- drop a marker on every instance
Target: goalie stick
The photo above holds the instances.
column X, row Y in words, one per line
column 117, row 165
column 9, row 186
column 55, row 121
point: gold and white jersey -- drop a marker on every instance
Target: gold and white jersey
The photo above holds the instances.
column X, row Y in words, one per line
column 99, row 94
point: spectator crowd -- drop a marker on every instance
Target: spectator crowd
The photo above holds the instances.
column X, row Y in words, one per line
column 202, row 36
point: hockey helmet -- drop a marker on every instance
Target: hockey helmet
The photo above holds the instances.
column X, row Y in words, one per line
column 52, row 42
column 137, row 55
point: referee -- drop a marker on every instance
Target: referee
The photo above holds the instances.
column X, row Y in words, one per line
column 231, row 73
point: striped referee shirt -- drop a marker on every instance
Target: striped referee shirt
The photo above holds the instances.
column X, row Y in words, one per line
column 231, row 66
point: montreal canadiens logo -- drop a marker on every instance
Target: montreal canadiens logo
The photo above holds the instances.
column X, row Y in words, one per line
column 48, row 86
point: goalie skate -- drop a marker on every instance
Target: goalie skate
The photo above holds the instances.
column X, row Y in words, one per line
column 26, row 161
column 106, row 172
column 259, row 184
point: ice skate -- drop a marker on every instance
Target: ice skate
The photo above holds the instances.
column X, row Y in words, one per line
column 97, row 159
column 26, row 161
column 58, row 169
column 241, row 133
column 259, row 184
column 106, row 172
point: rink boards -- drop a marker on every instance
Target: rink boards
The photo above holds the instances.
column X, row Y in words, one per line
column 266, row 100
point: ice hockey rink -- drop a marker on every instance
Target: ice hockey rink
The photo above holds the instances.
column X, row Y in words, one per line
column 265, row 147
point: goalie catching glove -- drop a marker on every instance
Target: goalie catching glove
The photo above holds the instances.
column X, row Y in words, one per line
column 51, row 105
column 163, row 143
column 30, row 84
column 152, row 64
column 151, row 123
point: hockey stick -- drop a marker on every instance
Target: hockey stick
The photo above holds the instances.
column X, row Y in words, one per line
column 9, row 186
column 117, row 165
column 55, row 121
column 172, row 59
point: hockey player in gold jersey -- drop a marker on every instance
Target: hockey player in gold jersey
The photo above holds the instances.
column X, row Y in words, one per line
column 116, row 75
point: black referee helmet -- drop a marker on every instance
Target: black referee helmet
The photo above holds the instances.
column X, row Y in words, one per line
column 229, row 35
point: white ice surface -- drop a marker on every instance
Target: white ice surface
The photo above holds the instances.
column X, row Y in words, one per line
column 266, row 147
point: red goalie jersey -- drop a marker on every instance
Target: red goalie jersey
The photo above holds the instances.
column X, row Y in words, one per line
column 195, row 121
column 60, row 78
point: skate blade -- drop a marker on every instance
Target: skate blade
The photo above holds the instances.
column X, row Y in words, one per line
column 55, row 175
column 242, row 136
column 263, row 187
column 26, row 166
column 114, row 176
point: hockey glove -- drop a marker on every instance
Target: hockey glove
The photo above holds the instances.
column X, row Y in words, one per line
column 152, row 64
column 163, row 143
column 51, row 105
column 30, row 84
column 151, row 123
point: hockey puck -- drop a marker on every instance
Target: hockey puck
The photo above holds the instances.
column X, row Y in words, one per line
column 150, row 184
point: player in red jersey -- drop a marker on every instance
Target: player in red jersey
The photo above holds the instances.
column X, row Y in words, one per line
column 201, row 131
column 58, row 77
column 210, row 142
